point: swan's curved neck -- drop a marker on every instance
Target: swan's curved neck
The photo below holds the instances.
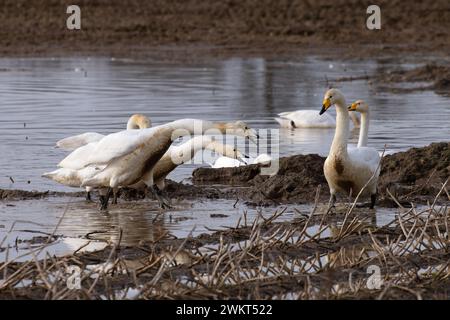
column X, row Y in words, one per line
column 134, row 124
column 364, row 130
column 188, row 149
column 339, row 145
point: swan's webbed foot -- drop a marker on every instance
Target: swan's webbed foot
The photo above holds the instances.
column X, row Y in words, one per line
column 373, row 200
column 163, row 200
column 104, row 200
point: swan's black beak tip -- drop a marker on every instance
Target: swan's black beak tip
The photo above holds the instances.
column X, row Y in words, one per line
column 323, row 110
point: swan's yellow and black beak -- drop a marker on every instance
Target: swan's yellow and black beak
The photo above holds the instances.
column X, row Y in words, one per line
column 325, row 105
column 352, row 107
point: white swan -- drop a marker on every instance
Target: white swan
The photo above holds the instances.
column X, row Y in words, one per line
column 175, row 156
column 309, row 119
column 348, row 170
column 362, row 107
column 85, row 143
column 136, row 121
column 178, row 155
column 130, row 156
column 228, row 162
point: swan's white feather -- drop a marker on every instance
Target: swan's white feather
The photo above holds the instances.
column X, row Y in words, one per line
column 306, row 119
column 74, row 142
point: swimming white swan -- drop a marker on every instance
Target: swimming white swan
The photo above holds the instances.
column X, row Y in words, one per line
column 136, row 121
column 131, row 155
column 228, row 162
column 348, row 170
column 309, row 119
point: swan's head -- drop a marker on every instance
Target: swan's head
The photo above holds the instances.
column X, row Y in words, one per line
column 240, row 128
column 227, row 150
column 138, row 121
column 359, row 106
column 331, row 97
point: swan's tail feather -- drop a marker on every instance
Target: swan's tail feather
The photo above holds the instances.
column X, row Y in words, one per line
column 285, row 123
column 284, row 114
column 49, row 175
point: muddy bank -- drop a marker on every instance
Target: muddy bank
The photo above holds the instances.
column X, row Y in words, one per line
column 119, row 28
column 415, row 175
column 411, row 175
column 437, row 78
column 6, row 194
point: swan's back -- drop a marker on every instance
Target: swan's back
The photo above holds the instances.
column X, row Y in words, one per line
column 306, row 119
column 226, row 162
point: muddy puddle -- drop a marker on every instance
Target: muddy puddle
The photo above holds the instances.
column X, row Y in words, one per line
column 77, row 226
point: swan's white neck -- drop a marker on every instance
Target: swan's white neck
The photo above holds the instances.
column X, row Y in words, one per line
column 340, row 140
column 188, row 149
column 364, row 130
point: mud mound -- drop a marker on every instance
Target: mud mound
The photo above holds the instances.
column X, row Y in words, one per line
column 416, row 172
column 424, row 168
column 296, row 180
column 438, row 75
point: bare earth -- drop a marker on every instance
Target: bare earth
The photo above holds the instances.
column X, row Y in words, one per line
column 170, row 29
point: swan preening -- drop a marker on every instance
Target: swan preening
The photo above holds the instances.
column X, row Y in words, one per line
column 128, row 157
column 349, row 170
column 309, row 119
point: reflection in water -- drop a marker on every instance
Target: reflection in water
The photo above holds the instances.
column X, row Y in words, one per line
column 140, row 220
column 44, row 100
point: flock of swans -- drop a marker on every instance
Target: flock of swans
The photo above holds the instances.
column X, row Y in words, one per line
column 142, row 156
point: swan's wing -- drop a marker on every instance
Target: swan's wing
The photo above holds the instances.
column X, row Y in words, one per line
column 77, row 159
column 73, row 142
column 312, row 119
column 365, row 156
column 284, row 122
column 118, row 144
column 225, row 162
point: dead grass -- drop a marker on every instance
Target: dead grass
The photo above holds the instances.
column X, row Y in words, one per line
column 319, row 255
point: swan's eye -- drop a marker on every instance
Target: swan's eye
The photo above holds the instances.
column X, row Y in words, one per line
column 234, row 150
column 246, row 128
column 331, row 97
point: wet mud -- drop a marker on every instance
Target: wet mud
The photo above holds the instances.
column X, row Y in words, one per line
column 414, row 175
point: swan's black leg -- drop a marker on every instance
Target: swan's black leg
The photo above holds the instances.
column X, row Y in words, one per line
column 105, row 200
column 88, row 196
column 373, row 199
column 331, row 202
column 115, row 196
column 164, row 203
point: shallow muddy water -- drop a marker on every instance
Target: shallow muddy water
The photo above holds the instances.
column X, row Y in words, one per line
column 77, row 221
column 44, row 100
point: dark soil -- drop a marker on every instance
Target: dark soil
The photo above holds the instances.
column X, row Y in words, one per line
column 136, row 27
column 438, row 77
column 412, row 174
